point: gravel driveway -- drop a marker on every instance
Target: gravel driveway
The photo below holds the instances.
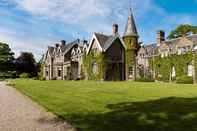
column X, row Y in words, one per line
column 19, row 113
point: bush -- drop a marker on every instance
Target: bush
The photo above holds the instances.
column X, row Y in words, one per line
column 184, row 80
column 24, row 75
column 7, row 75
column 145, row 79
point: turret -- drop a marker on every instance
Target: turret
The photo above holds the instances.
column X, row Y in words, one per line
column 130, row 38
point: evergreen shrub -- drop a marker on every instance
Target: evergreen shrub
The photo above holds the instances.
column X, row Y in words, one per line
column 184, row 80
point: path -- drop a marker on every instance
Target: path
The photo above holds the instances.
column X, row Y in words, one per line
column 19, row 113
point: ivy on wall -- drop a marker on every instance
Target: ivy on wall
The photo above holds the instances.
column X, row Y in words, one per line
column 163, row 66
column 130, row 53
column 88, row 65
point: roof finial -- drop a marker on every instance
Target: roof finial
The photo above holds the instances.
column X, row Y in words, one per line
column 130, row 8
column 131, row 29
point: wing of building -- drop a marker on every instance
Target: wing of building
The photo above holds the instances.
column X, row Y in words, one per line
column 111, row 56
column 105, row 57
column 64, row 60
column 165, row 48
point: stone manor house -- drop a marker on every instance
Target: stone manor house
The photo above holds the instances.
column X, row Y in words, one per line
column 110, row 57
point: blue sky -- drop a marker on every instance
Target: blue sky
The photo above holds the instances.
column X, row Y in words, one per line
column 32, row 25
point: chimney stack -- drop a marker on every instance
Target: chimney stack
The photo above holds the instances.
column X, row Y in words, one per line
column 115, row 29
column 56, row 45
column 160, row 37
column 63, row 42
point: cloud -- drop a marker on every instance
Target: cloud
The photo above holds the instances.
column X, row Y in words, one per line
column 64, row 10
column 19, row 43
column 47, row 21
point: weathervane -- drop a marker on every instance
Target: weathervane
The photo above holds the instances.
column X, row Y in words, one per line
column 130, row 5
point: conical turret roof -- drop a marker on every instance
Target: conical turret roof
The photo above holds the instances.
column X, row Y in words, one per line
column 131, row 29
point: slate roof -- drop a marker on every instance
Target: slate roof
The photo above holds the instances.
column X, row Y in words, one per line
column 193, row 38
column 64, row 48
column 171, row 44
column 151, row 48
column 131, row 29
column 105, row 40
column 50, row 50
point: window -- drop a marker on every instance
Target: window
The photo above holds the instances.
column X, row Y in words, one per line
column 94, row 67
column 162, row 55
column 173, row 72
column 130, row 72
column 59, row 73
column 47, row 73
column 190, row 70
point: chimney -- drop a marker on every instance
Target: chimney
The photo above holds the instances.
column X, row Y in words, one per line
column 56, row 45
column 160, row 37
column 115, row 29
column 63, row 42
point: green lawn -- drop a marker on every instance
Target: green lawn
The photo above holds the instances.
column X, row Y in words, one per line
column 117, row 106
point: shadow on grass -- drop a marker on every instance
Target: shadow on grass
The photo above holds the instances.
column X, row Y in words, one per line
column 167, row 114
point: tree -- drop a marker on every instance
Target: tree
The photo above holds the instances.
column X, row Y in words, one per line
column 26, row 63
column 183, row 30
column 6, row 60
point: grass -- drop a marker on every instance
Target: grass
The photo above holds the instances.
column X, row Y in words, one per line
column 117, row 106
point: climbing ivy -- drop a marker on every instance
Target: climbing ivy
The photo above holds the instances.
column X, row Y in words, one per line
column 129, row 60
column 163, row 66
column 88, row 62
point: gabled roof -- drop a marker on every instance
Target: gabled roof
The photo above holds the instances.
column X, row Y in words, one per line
column 151, row 48
column 105, row 41
column 170, row 43
column 101, row 38
column 193, row 38
column 130, row 29
column 51, row 50
column 69, row 46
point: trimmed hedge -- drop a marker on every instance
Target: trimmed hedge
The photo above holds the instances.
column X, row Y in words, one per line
column 184, row 80
column 24, row 75
column 145, row 79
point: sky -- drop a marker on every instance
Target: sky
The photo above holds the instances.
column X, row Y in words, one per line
column 33, row 25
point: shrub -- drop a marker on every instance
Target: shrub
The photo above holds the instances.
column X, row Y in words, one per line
column 145, row 79
column 24, row 75
column 184, row 80
column 7, row 75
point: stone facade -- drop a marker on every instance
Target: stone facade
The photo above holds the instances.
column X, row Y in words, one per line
column 112, row 57
column 103, row 58
column 165, row 48
column 64, row 60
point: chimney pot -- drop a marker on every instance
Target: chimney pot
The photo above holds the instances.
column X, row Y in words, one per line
column 56, row 45
column 115, row 29
column 160, row 37
column 63, row 42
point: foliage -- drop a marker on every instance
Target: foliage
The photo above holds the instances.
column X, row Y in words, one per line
column 26, row 63
column 184, row 80
column 145, row 79
column 6, row 61
column 130, row 53
column 163, row 66
column 24, row 75
column 40, row 68
column 8, row 74
column 88, row 64
column 182, row 30
column 117, row 106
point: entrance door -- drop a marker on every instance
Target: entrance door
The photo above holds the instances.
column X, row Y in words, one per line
column 114, row 72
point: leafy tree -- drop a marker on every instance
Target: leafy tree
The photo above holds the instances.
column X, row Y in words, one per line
column 182, row 30
column 6, row 60
column 26, row 63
